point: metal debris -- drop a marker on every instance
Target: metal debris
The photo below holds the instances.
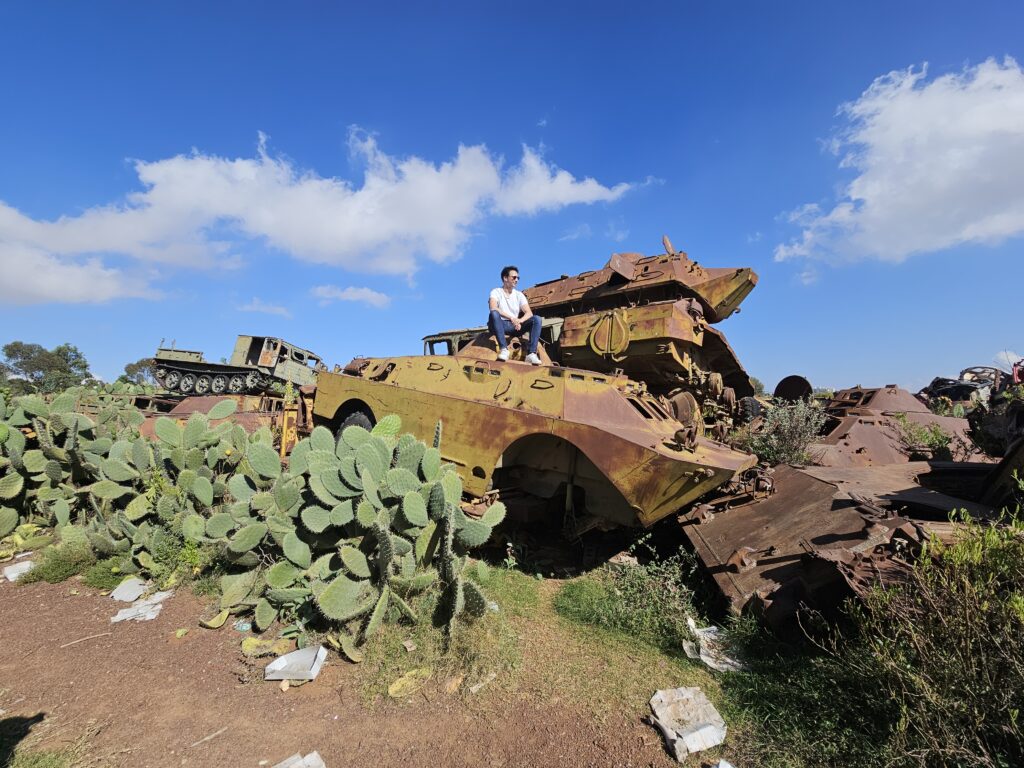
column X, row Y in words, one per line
column 708, row 648
column 688, row 721
column 303, row 664
column 143, row 610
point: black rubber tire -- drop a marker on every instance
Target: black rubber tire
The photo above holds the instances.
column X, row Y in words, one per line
column 749, row 409
column 356, row 419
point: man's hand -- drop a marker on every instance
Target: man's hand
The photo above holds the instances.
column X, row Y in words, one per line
column 517, row 324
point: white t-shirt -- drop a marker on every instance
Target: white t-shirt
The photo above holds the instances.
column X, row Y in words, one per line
column 509, row 304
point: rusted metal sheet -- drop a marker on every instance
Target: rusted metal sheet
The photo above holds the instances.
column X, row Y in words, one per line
column 544, row 430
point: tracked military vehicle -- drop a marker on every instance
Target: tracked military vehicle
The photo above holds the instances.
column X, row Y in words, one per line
column 596, row 447
column 649, row 317
column 256, row 364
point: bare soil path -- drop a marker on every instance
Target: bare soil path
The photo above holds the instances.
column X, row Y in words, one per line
column 152, row 696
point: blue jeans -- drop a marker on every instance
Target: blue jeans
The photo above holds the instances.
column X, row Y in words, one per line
column 502, row 327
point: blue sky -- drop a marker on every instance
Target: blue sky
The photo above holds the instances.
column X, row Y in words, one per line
column 353, row 178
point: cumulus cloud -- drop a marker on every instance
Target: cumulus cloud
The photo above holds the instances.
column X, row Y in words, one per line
column 404, row 211
column 938, row 163
column 329, row 293
column 258, row 305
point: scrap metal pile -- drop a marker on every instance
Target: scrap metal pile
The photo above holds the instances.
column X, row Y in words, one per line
column 626, row 424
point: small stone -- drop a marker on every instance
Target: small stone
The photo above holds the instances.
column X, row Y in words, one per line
column 284, row 685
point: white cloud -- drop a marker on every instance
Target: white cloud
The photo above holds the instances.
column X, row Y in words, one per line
column 616, row 231
column 329, row 293
column 258, row 305
column 938, row 163
column 576, row 233
column 1006, row 359
column 405, row 211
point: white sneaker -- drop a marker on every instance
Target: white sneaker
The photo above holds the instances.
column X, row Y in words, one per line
column 532, row 359
column 503, row 354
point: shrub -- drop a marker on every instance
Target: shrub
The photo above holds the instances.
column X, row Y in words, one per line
column 59, row 563
column 788, row 429
column 922, row 438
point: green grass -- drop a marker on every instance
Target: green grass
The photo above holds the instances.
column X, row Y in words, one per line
column 59, row 563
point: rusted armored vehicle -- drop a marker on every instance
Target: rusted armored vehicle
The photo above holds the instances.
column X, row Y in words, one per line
column 651, row 318
column 256, row 363
column 596, row 448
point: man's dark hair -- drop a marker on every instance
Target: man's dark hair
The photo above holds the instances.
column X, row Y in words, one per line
column 506, row 270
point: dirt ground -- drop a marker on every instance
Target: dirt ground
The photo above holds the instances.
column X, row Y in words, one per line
column 148, row 698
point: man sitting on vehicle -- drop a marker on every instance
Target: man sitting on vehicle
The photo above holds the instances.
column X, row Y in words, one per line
column 511, row 316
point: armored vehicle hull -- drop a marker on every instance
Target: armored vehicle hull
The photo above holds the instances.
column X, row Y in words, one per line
column 599, row 447
column 256, row 364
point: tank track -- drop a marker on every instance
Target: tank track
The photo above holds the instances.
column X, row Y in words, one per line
column 207, row 379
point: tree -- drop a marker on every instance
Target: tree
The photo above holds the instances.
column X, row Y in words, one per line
column 758, row 385
column 139, row 372
column 33, row 368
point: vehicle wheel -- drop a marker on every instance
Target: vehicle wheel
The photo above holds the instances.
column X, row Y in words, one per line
column 749, row 409
column 202, row 385
column 159, row 373
column 252, row 380
column 188, row 383
column 356, row 419
column 219, row 384
column 236, row 384
column 171, row 380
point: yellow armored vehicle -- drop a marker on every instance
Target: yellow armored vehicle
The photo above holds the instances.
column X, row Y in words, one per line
column 649, row 317
column 256, row 363
column 597, row 446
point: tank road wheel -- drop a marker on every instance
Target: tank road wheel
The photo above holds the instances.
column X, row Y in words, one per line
column 355, row 419
column 749, row 409
column 159, row 373
column 252, row 380
column 171, row 380
column 188, row 383
column 202, row 385
column 236, row 384
column 219, row 384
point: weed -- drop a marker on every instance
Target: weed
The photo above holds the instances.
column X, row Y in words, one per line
column 59, row 563
column 787, row 431
column 650, row 602
column 106, row 574
column 930, row 440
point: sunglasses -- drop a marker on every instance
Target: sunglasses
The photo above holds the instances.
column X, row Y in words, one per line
column 513, row 277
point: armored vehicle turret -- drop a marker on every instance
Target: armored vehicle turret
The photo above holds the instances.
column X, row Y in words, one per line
column 651, row 318
column 256, row 364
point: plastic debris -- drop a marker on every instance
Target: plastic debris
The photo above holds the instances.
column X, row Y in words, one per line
column 709, row 648
column 409, row 683
column 130, row 590
column 312, row 760
column 304, row 664
column 723, row 764
column 688, row 721
column 143, row 610
column 14, row 572
column 243, row 626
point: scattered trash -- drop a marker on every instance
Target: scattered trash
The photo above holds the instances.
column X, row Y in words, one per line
column 452, row 684
column 304, row 664
column 242, row 626
column 72, row 592
column 143, row 610
column 493, row 607
column 723, row 764
column 409, row 645
column 130, row 590
column 257, row 646
column 623, row 560
column 284, row 686
column 216, row 622
column 312, row 760
column 688, row 721
column 476, row 688
column 181, row 633
column 13, row 572
column 409, row 683
column 709, row 648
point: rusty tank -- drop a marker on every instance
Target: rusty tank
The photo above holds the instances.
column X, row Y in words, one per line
column 597, row 448
column 650, row 318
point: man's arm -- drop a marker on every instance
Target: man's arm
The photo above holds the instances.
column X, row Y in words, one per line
column 492, row 303
column 524, row 308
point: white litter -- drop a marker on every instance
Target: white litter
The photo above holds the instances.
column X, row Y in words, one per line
column 143, row 610
column 13, row 572
column 688, row 721
column 130, row 590
column 298, row 665
column 312, row 760
column 709, row 648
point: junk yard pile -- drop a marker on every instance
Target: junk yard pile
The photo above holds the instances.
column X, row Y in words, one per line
column 330, row 503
